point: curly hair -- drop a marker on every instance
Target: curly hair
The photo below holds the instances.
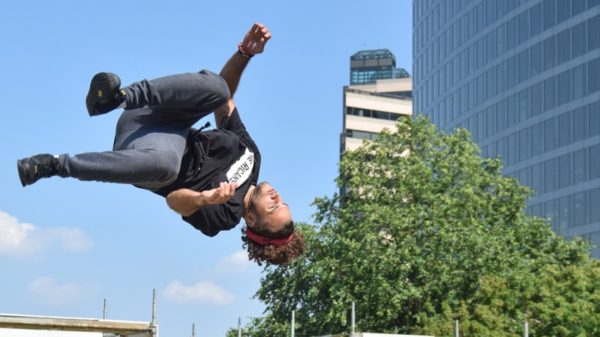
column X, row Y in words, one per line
column 272, row 254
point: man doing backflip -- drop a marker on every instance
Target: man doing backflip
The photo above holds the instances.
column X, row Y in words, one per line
column 209, row 177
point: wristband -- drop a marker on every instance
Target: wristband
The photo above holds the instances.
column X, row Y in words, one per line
column 241, row 51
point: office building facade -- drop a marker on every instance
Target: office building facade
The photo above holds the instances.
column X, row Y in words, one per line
column 524, row 77
column 378, row 94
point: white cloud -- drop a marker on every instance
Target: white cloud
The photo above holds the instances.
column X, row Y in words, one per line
column 201, row 292
column 69, row 239
column 19, row 239
column 15, row 237
column 46, row 290
column 235, row 262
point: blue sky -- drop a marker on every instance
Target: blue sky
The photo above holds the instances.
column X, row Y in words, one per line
column 65, row 245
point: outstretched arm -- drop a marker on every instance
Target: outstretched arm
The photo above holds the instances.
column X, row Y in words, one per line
column 253, row 43
column 186, row 201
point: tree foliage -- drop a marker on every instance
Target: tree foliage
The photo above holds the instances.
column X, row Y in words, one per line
column 427, row 232
column 558, row 301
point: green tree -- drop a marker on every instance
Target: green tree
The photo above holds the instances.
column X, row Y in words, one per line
column 555, row 302
column 263, row 326
column 425, row 226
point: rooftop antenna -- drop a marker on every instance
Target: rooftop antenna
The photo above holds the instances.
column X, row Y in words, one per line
column 293, row 322
column 153, row 323
column 353, row 316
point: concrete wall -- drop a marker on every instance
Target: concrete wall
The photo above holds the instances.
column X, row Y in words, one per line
column 45, row 333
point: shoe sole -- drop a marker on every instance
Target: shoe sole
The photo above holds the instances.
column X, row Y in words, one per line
column 100, row 86
column 22, row 167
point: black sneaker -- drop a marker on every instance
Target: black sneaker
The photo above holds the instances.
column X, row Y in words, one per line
column 104, row 94
column 39, row 166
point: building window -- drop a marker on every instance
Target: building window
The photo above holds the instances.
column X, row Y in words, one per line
column 580, row 167
column 536, row 59
column 373, row 114
column 577, row 6
column 481, row 123
column 549, row 13
column 564, row 170
column 524, row 27
column 513, row 71
column 552, row 213
column 578, row 36
column 501, row 77
column 594, row 118
column 550, row 52
column 537, row 178
column 511, row 34
column 491, row 46
column 564, row 129
column 563, row 10
column 536, row 99
column 594, row 75
column 550, row 138
column 550, row 174
column 524, row 66
column 361, row 134
column 501, row 38
column 564, row 212
column 524, row 144
column 491, row 121
column 564, row 87
column 535, row 14
column 593, row 27
column 549, row 93
column 594, row 161
column 579, row 81
column 594, row 202
column 580, row 122
column 537, row 138
column 512, row 110
column 501, row 115
column 524, row 106
column 513, row 149
column 490, row 78
column 524, row 176
column 564, row 46
column 580, row 216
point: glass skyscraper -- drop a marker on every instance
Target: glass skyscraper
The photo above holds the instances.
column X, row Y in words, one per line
column 368, row 66
column 524, row 77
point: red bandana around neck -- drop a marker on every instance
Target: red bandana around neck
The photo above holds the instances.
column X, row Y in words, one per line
column 264, row 241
